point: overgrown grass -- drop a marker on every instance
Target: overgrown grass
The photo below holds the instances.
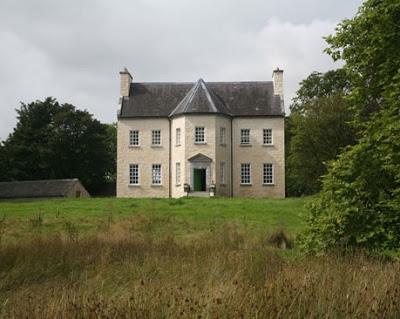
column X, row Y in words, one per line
column 185, row 258
column 126, row 271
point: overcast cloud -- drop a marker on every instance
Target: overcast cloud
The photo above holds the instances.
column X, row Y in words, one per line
column 73, row 50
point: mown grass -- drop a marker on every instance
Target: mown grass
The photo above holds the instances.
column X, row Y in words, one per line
column 189, row 258
column 184, row 217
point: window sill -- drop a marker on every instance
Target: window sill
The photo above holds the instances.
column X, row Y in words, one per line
column 133, row 185
column 177, row 145
column 156, row 146
column 268, row 145
column 245, row 184
column 134, row 146
column 177, row 185
column 200, row 143
column 156, row 185
column 269, row 184
column 222, row 184
column 245, row 145
column 224, row 145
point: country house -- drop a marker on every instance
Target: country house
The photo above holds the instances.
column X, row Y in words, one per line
column 194, row 138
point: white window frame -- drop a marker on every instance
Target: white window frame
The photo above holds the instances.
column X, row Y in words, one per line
column 200, row 131
column 134, row 178
column 245, row 168
column 222, row 173
column 178, row 136
column 134, row 141
column 245, row 138
column 156, row 179
column 268, row 138
column 156, row 138
column 178, row 173
column 268, row 174
column 222, row 136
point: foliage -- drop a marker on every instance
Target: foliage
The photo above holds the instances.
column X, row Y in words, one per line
column 369, row 43
column 359, row 205
column 59, row 141
column 360, row 202
column 316, row 130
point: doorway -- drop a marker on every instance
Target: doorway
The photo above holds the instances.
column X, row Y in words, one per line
column 199, row 175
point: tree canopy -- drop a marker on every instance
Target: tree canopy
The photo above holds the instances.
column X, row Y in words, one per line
column 53, row 140
column 359, row 205
column 316, row 130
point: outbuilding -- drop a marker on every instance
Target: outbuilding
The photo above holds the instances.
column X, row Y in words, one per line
column 52, row 188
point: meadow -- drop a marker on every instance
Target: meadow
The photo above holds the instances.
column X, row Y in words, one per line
column 186, row 258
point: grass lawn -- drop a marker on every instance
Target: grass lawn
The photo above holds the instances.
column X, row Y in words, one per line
column 179, row 217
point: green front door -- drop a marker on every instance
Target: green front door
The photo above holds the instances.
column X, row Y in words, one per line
column 199, row 180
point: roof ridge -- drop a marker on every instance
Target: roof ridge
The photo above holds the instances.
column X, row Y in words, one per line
column 210, row 105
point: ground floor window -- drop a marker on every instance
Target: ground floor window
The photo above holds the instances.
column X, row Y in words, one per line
column 156, row 174
column 134, row 174
column 268, row 174
column 178, row 173
column 245, row 174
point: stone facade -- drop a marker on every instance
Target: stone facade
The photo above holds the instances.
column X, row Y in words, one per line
column 170, row 153
column 145, row 155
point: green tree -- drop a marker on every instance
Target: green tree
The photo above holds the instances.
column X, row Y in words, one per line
column 4, row 169
column 359, row 205
column 59, row 141
column 316, row 130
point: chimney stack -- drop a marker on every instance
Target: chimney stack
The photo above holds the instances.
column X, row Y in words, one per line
column 126, row 80
column 277, row 78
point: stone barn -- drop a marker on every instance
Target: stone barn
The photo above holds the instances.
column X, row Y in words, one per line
column 53, row 188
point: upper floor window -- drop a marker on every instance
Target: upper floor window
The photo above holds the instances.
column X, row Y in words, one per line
column 222, row 136
column 178, row 137
column 245, row 174
column 133, row 138
column 267, row 136
column 156, row 174
column 156, row 137
column 268, row 174
column 200, row 135
column 133, row 174
column 245, row 136
column 222, row 173
column 178, row 173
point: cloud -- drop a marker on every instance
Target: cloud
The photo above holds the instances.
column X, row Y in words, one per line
column 74, row 51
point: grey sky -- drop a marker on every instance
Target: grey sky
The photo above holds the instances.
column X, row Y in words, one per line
column 73, row 50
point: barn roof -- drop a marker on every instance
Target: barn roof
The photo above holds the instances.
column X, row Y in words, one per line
column 229, row 98
column 37, row 189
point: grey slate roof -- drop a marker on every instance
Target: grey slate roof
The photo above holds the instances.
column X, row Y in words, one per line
column 37, row 189
column 229, row 98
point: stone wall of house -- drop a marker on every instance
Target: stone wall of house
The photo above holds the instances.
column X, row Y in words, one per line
column 178, row 156
column 257, row 154
column 223, row 154
column 145, row 155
